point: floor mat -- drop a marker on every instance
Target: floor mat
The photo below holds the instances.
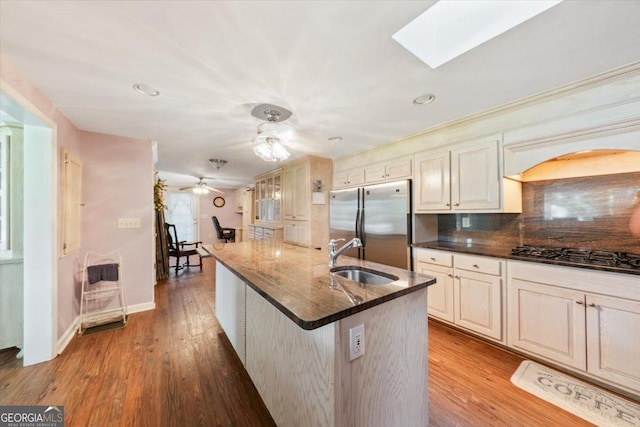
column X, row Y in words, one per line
column 581, row 399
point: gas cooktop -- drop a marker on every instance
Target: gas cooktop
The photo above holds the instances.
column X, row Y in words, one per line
column 595, row 257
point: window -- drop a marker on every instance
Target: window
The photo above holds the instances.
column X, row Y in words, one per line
column 182, row 211
column 5, row 209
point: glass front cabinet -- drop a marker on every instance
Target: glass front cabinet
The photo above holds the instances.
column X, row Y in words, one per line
column 268, row 197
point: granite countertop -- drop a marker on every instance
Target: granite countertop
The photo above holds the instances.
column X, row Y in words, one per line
column 501, row 251
column 298, row 282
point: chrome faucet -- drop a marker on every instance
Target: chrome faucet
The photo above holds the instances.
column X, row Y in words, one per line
column 334, row 252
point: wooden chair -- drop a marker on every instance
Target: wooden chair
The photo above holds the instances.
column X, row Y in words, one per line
column 224, row 233
column 179, row 249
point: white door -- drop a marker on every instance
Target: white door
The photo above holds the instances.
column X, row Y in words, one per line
column 432, row 192
column 440, row 295
column 613, row 347
column 182, row 211
column 474, row 176
column 478, row 302
column 547, row 321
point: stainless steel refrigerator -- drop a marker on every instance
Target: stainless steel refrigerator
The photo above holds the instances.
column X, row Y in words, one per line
column 380, row 215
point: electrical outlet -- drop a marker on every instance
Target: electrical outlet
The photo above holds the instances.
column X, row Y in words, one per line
column 466, row 222
column 356, row 342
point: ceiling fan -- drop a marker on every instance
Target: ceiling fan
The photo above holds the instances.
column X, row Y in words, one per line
column 201, row 187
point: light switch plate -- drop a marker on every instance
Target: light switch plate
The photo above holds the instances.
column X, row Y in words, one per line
column 128, row 222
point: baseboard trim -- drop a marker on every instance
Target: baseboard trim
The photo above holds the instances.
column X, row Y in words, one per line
column 65, row 339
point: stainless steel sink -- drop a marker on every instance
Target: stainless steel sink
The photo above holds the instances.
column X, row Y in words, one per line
column 363, row 275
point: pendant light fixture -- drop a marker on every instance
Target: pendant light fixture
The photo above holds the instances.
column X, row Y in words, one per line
column 273, row 135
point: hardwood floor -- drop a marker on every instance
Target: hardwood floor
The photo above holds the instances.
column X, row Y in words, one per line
column 173, row 366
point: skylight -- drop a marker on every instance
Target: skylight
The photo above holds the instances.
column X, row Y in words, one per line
column 450, row 28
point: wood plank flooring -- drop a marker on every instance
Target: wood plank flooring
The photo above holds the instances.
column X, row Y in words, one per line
column 173, row 366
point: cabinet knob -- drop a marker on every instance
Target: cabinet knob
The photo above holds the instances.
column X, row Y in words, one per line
column 457, row 277
column 432, row 259
column 383, row 176
column 448, row 204
column 592, row 304
column 476, row 266
column 450, row 275
column 457, row 204
column 579, row 302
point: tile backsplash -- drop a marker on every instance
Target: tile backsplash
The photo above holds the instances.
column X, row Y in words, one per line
column 586, row 212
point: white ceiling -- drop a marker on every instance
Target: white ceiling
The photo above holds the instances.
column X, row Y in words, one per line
column 333, row 63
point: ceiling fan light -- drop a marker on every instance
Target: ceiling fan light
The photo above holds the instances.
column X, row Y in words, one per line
column 269, row 149
column 275, row 130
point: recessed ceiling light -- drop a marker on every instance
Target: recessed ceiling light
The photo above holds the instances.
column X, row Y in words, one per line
column 145, row 89
column 424, row 99
column 335, row 139
column 450, row 28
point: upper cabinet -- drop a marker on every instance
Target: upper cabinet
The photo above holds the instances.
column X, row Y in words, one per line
column 464, row 178
column 268, row 194
column 297, row 186
column 305, row 212
column 388, row 171
column 348, row 178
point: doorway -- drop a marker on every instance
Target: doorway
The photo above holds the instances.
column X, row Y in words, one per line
column 35, row 236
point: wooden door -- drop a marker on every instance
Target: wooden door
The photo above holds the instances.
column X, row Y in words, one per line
column 440, row 295
column 432, row 190
column 478, row 302
column 474, row 176
column 613, row 343
column 547, row 321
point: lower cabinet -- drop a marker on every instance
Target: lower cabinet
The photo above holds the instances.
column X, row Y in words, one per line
column 260, row 232
column 547, row 321
column 297, row 232
column 468, row 291
column 561, row 315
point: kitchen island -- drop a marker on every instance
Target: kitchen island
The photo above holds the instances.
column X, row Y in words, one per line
column 289, row 319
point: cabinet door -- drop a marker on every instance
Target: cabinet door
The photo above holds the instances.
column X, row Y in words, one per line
column 477, row 300
column 288, row 191
column 340, row 180
column 440, row 295
column 356, row 177
column 474, row 176
column 398, row 169
column 613, row 347
column 297, row 232
column 547, row 321
column 432, row 190
column 301, row 198
column 375, row 173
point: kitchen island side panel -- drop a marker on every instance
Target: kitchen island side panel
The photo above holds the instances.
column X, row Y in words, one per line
column 293, row 369
column 388, row 386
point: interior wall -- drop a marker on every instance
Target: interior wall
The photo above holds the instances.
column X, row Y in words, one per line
column 586, row 212
column 227, row 215
column 134, row 188
column 118, row 183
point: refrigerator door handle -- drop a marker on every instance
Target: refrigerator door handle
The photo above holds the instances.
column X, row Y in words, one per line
column 358, row 223
column 361, row 229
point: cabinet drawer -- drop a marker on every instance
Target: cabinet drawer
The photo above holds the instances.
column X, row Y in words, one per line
column 257, row 232
column 267, row 233
column 479, row 264
column 435, row 257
